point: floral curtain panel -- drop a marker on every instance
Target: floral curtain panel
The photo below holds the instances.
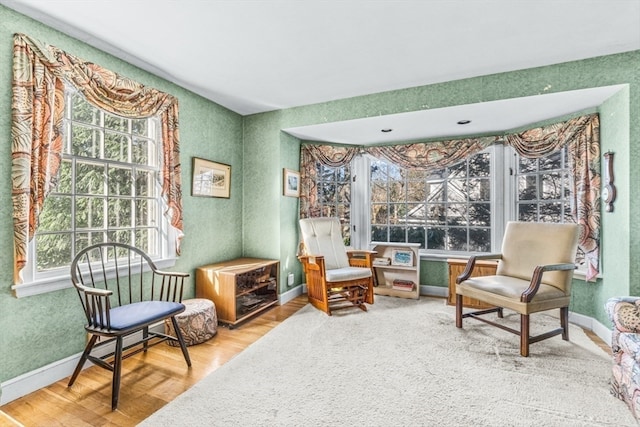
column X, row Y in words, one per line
column 40, row 73
column 581, row 134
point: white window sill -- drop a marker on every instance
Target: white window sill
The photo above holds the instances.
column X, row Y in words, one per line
column 56, row 283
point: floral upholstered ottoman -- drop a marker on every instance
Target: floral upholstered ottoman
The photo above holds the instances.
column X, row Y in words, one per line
column 198, row 322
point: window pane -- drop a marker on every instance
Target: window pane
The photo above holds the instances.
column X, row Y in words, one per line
column 146, row 239
column 86, row 239
column 479, row 189
column 480, row 214
column 378, row 234
column 480, row 165
column 56, row 214
column 90, row 178
column 85, row 141
column 527, row 187
column 120, row 236
column 551, row 212
column 116, row 147
column 142, row 151
column 527, row 165
column 64, row 177
column 551, row 186
column 146, row 212
column 145, row 183
column 139, row 127
column 436, row 238
column 397, row 234
column 456, row 190
column 120, row 213
column 457, row 239
column 83, row 111
column 552, row 161
column 457, row 214
column 480, row 239
column 120, row 181
column 436, row 191
column 416, row 235
column 528, row 212
column 416, row 191
column 115, row 123
column 90, row 212
column 379, row 214
column 53, row 251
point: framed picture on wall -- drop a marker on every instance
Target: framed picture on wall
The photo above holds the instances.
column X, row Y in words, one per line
column 291, row 183
column 210, row 179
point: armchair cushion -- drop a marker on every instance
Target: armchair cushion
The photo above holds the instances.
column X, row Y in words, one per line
column 347, row 273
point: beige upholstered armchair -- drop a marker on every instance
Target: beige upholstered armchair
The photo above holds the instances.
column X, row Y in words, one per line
column 534, row 274
column 336, row 278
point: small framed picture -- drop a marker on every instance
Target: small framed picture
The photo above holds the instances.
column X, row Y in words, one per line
column 402, row 257
column 291, row 183
column 211, row 179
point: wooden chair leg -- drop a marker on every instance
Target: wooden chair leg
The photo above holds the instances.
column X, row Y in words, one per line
column 564, row 322
column 183, row 346
column 117, row 370
column 83, row 358
column 458, row 311
column 524, row 335
column 145, row 335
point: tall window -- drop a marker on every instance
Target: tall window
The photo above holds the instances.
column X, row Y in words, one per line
column 449, row 210
column 334, row 196
column 108, row 188
column 544, row 191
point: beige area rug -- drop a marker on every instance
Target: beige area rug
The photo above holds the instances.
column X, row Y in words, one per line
column 403, row 363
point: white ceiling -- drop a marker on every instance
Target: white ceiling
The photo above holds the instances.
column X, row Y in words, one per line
column 259, row 55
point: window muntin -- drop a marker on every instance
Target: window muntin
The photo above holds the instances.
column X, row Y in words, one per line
column 108, row 188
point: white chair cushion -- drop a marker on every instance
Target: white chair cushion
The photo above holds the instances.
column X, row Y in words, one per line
column 323, row 236
column 347, row 273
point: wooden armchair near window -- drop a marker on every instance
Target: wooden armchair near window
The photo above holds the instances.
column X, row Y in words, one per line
column 534, row 274
column 336, row 278
column 122, row 294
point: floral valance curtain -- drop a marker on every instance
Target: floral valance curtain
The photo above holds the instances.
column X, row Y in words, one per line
column 40, row 73
column 581, row 134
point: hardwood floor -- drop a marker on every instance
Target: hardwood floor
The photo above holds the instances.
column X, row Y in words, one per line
column 148, row 381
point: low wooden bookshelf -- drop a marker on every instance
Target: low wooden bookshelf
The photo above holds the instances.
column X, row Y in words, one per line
column 397, row 269
column 240, row 288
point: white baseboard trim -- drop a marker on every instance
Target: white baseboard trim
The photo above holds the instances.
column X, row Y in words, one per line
column 434, row 291
column 287, row 296
column 29, row 382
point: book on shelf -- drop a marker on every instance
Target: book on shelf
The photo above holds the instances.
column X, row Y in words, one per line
column 381, row 261
column 403, row 285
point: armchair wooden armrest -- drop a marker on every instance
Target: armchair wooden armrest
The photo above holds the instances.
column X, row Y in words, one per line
column 360, row 258
column 536, row 279
column 472, row 263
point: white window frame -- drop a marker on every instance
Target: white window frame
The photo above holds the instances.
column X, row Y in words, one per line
column 35, row 282
column 503, row 204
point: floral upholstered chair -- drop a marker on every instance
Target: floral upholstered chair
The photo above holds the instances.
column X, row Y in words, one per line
column 624, row 313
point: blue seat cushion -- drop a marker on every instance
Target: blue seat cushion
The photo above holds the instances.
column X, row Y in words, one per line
column 140, row 313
